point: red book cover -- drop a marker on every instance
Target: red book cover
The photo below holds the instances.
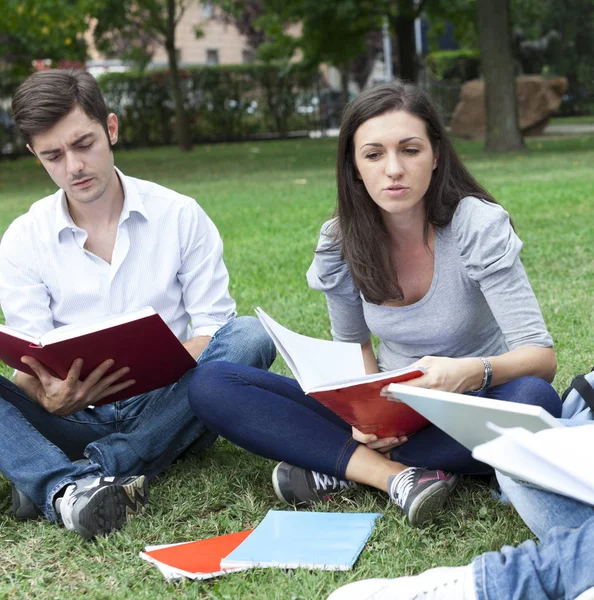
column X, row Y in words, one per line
column 362, row 406
column 144, row 343
column 200, row 559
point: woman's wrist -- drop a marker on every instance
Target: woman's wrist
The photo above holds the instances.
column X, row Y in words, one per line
column 476, row 374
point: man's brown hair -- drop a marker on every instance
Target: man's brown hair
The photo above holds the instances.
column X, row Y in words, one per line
column 48, row 96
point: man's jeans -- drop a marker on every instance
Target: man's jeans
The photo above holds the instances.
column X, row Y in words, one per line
column 140, row 435
column 561, row 566
column 542, row 510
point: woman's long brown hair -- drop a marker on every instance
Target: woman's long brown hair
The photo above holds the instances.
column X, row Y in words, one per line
column 361, row 233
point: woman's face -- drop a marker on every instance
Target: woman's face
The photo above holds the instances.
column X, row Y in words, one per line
column 395, row 161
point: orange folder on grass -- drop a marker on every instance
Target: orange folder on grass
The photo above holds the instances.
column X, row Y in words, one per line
column 195, row 560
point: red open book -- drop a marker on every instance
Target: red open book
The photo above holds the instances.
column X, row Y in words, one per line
column 140, row 340
column 195, row 560
column 334, row 374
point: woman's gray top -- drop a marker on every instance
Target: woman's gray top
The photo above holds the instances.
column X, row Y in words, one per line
column 480, row 302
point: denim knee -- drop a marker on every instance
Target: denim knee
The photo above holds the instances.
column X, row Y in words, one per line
column 206, row 390
column 537, row 391
column 247, row 343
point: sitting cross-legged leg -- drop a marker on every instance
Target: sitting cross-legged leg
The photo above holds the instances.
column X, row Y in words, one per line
column 269, row 415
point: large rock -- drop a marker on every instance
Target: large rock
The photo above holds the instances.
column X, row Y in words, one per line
column 538, row 99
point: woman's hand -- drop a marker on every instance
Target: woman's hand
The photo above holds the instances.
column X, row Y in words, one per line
column 449, row 374
column 383, row 445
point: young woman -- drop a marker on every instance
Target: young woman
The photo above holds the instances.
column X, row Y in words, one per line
column 420, row 255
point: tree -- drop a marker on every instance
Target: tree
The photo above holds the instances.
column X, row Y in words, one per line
column 156, row 20
column 495, row 39
column 42, row 29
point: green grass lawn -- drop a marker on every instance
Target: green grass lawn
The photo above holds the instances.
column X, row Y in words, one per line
column 581, row 120
column 269, row 200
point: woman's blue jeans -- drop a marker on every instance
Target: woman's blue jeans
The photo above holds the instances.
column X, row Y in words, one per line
column 269, row 415
column 140, row 435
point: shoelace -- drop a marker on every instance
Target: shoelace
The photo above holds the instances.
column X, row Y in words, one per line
column 323, row 482
column 401, row 486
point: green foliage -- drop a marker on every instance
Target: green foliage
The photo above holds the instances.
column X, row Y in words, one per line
column 223, row 102
column 454, row 65
column 42, row 29
column 460, row 13
column 268, row 201
column 132, row 29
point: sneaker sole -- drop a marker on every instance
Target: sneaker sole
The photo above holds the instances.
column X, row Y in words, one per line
column 23, row 508
column 111, row 507
column 425, row 505
column 276, row 487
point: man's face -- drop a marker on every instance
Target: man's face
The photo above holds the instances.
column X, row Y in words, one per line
column 77, row 156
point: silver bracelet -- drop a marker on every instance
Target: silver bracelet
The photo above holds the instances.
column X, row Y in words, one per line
column 488, row 373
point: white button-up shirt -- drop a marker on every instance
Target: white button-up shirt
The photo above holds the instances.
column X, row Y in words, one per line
column 168, row 254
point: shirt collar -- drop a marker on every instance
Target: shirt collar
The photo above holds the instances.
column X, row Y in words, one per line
column 132, row 203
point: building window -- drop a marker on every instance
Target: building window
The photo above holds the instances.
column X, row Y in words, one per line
column 247, row 56
column 207, row 9
column 212, row 57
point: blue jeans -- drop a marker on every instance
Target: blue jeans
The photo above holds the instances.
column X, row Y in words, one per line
column 542, row 510
column 140, row 435
column 269, row 415
column 560, row 567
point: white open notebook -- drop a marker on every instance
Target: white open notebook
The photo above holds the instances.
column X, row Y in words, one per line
column 465, row 417
column 559, row 460
column 320, row 365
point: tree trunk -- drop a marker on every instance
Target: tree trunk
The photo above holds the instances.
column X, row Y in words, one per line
column 184, row 138
column 404, row 26
column 345, row 72
column 494, row 29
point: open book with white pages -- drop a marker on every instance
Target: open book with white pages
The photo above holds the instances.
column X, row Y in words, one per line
column 558, row 460
column 334, row 374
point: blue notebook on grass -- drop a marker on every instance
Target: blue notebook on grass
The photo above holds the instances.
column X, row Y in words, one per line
column 310, row 540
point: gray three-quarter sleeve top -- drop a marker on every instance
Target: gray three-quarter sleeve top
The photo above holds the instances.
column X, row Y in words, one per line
column 480, row 302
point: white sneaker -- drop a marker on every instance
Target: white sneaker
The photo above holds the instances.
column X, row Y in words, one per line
column 443, row 583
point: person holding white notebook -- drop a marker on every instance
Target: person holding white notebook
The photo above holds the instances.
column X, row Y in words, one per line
column 559, row 567
column 421, row 256
column 103, row 244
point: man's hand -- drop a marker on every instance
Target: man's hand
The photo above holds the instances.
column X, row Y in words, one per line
column 65, row 397
column 383, row 445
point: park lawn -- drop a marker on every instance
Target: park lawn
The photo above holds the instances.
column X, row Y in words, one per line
column 269, row 200
column 580, row 120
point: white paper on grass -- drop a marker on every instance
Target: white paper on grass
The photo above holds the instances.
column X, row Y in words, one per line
column 315, row 363
column 171, row 573
column 558, row 460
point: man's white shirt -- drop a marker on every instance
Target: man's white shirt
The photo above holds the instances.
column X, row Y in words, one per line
column 168, row 255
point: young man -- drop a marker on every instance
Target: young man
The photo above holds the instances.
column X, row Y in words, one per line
column 103, row 244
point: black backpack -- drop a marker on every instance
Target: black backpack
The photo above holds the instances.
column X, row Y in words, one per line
column 583, row 384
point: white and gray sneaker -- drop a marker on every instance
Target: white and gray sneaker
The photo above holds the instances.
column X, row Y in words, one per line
column 297, row 486
column 97, row 505
column 443, row 583
column 421, row 493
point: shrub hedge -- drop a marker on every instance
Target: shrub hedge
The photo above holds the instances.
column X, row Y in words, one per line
column 223, row 103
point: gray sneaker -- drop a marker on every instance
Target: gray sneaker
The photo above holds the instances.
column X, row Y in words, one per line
column 97, row 505
column 421, row 493
column 297, row 486
column 23, row 508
